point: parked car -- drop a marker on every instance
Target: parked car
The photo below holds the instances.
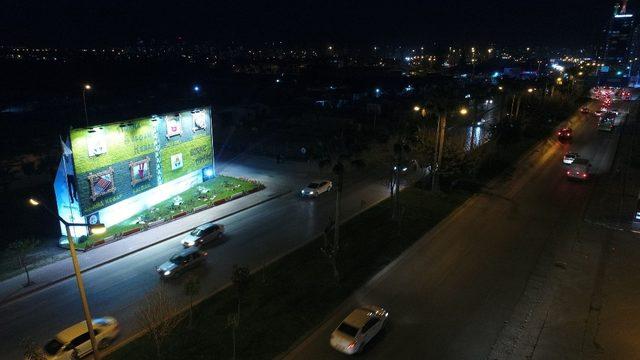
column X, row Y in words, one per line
column 358, row 328
column 181, row 262
column 203, row 234
column 315, row 188
column 570, row 157
column 74, row 342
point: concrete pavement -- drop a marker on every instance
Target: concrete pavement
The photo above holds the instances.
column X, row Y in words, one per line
column 583, row 302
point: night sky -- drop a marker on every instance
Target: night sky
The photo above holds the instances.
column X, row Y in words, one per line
column 404, row 22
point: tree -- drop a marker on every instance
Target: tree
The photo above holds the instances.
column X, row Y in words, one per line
column 329, row 248
column 31, row 350
column 233, row 320
column 159, row 315
column 21, row 249
column 241, row 276
column 191, row 289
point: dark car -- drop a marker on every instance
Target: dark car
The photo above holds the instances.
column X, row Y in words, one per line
column 182, row 261
column 565, row 133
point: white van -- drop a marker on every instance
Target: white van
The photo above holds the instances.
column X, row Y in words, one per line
column 580, row 169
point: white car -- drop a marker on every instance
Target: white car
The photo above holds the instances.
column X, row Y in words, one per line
column 203, row 234
column 570, row 157
column 315, row 188
column 74, row 342
column 358, row 329
column 580, row 169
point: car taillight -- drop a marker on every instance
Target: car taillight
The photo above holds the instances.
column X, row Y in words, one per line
column 584, row 175
column 568, row 172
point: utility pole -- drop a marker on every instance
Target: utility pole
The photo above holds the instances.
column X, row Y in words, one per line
column 439, row 146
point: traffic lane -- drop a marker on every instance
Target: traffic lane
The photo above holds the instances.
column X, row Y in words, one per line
column 450, row 296
column 254, row 238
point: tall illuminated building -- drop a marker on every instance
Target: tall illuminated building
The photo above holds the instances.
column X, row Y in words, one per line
column 617, row 52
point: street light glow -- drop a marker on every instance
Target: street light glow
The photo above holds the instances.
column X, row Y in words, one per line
column 464, row 111
column 416, row 108
column 97, row 229
column 87, row 86
column 34, row 202
column 530, row 90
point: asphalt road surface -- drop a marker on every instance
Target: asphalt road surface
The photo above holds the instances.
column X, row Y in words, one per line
column 450, row 294
column 252, row 238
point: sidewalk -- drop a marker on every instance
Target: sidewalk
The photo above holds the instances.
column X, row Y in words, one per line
column 12, row 288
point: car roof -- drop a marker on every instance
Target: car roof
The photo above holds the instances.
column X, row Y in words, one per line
column 72, row 332
column 206, row 226
column 188, row 251
column 358, row 317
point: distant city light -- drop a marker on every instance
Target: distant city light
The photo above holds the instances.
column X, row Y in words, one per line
column 377, row 90
column 196, row 88
column 277, row 80
column 416, row 108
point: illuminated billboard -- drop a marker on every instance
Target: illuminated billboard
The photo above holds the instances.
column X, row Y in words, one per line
column 117, row 161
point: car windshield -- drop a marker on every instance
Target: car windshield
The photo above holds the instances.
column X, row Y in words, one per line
column 313, row 186
column 177, row 259
column 196, row 232
column 348, row 329
column 52, row 347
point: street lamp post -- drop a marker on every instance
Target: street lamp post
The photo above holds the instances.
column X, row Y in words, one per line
column 439, row 147
column 95, row 229
column 85, row 88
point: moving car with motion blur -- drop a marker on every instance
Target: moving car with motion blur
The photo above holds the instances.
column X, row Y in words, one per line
column 565, row 133
column 570, row 157
column 181, row 262
column 358, row 328
column 580, row 169
column 74, row 342
column 203, row 234
column 315, row 188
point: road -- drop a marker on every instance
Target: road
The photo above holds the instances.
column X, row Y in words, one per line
column 253, row 238
column 451, row 293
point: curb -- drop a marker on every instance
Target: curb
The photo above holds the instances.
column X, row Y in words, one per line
column 11, row 299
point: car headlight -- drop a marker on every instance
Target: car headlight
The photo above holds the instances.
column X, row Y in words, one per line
column 167, row 273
